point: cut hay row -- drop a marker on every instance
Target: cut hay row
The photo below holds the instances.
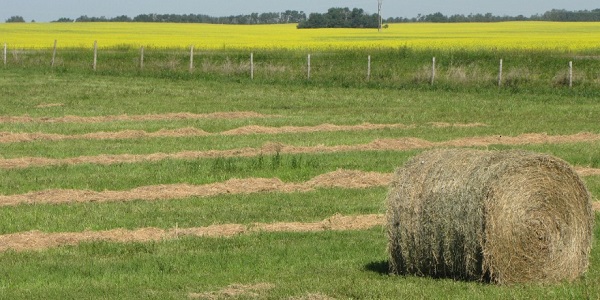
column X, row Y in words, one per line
column 248, row 291
column 36, row 240
column 149, row 117
column 13, row 137
column 347, row 179
column 402, row 144
column 340, row 179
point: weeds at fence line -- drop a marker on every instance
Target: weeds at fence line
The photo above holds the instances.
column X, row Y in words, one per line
column 384, row 67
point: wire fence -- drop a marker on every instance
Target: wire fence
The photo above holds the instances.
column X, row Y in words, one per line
column 401, row 66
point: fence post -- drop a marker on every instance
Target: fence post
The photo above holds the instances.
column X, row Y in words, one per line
column 191, row 58
column 95, row 55
column 500, row 74
column 142, row 58
column 251, row 65
column 308, row 67
column 369, row 69
column 433, row 72
column 5, row 53
column 570, row 74
column 54, row 53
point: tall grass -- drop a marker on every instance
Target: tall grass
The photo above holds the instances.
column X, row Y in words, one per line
column 401, row 67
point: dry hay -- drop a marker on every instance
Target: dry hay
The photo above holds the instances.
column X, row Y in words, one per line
column 36, row 240
column 339, row 179
column 16, row 137
column 456, row 125
column 254, row 129
column 11, row 137
column 401, row 144
column 47, row 105
column 235, row 291
column 584, row 171
column 119, row 118
column 596, row 206
column 312, row 296
column 504, row 216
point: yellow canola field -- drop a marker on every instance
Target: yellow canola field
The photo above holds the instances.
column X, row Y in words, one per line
column 577, row 37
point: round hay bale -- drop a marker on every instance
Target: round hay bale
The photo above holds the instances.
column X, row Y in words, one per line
column 497, row 216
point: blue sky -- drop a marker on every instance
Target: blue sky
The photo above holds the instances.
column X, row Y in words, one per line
column 48, row 10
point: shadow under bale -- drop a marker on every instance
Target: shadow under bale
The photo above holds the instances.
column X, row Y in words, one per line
column 499, row 216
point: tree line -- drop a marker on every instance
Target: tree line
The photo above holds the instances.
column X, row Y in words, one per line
column 289, row 16
column 336, row 17
column 555, row 15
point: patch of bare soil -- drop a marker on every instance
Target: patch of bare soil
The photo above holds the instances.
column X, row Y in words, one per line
column 340, row 178
column 37, row 240
column 596, row 206
column 401, row 144
column 234, row 291
column 149, row 117
column 11, row 137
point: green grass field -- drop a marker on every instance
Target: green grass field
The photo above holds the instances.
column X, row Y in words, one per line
column 347, row 264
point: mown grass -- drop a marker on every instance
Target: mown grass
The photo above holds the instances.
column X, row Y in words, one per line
column 347, row 265
column 194, row 212
column 287, row 167
column 335, row 264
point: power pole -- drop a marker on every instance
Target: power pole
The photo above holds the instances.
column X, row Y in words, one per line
column 379, row 4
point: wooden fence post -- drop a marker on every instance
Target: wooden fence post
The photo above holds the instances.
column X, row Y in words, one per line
column 142, row 58
column 369, row 69
column 570, row 74
column 191, row 58
column 433, row 72
column 95, row 55
column 308, row 67
column 500, row 74
column 54, row 53
column 251, row 65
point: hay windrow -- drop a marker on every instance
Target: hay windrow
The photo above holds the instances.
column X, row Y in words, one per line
column 121, row 118
column 12, row 137
column 47, row 105
column 346, row 179
column 339, row 178
column 402, row 144
column 235, row 291
column 254, row 129
column 37, row 240
column 506, row 216
column 584, row 171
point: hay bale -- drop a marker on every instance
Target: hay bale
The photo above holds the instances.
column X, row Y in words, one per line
column 499, row 216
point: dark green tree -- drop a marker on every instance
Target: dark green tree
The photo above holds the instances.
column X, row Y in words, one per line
column 15, row 19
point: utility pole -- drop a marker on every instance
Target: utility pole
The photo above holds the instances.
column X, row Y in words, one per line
column 379, row 4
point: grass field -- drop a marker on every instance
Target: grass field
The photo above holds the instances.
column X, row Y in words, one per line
column 161, row 184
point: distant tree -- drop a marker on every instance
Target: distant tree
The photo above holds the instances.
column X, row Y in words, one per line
column 15, row 19
column 64, row 20
column 341, row 18
column 122, row 18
